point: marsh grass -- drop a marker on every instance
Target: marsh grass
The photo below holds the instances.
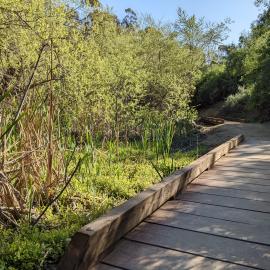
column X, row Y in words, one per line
column 88, row 178
column 107, row 177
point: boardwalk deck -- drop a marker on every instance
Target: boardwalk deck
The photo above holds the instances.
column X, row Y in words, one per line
column 222, row 221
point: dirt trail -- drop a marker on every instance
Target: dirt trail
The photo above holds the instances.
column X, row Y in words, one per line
column 221, row 133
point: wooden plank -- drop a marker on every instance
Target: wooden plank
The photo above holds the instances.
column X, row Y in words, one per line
column 264, row 171
column 93, row 239
column 257, row 161
column 211, row 121
column 239, row 169
column 248, row 163
column 255, row 166
column 216, row 247
column 236, row 174
column 226, row 201
column 217, row 212
column 254, row 146
column 251, row 195
column 138, row 256
column 253, row 150
column 232, row 185
column 249, row 156
column 238, row 179
column 256, row 234
column 251, row 142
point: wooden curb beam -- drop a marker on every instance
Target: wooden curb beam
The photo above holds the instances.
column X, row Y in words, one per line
column 212, row 120
column 92, row 240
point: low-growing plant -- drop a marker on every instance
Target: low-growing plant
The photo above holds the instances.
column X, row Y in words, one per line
column 237, row 102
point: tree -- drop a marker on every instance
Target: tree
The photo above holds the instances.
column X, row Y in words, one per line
column 130, row 20
column 196, row 33
column 264, row 3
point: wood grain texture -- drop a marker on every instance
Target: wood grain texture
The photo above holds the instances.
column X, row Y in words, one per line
column 215, row 211
column 138, row 256
column 234, row 193
column 247, row 163
column 235, row 179
column 213, row 226
column 256, row 174
column 230, row 202
column 232, row 185
column 215, row 247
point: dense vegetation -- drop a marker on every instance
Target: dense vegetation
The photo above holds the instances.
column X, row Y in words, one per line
column 94, row 109
column 242, row 74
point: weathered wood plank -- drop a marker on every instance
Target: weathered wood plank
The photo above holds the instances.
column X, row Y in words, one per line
column 138, row 256
column 249, row 156
column 252, row 150
column 240, row 168
column 211, row 120
column 257, row 234
column 231, row 185
column 216, row 247
column 251, row 195
column 234, row 179
column 226, row 201
column 246, row 159
column 237, row 174
column 254, row 145
column 218, row 212
column 254, row 164
column 94, row 238
column 258, row 145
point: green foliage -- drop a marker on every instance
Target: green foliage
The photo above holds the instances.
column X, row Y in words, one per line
column 237, row 102
column 197, row 33
column 107, row 76
column 216, row 85
column 29, row 248
column 245, row 67
column 248, row 65
column 257, row 65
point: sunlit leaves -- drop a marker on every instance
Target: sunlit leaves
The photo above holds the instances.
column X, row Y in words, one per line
column 92, row 3
column 198, row 33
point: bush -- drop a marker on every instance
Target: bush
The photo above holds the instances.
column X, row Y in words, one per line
column 215, row 86
column 29, row 248
column 237, row 102
column 258, row 69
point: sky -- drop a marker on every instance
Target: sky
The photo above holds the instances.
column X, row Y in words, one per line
column 242, row 12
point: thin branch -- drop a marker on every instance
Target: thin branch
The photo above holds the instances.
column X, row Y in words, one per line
column 26, row 90
column 44, row 82
column 79, row 163
column 12, row 221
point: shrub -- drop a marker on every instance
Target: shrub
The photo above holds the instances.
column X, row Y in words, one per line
column 238, row 102
column 215, row 86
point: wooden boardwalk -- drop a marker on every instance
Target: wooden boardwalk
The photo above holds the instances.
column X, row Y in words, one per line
column 222, row 221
